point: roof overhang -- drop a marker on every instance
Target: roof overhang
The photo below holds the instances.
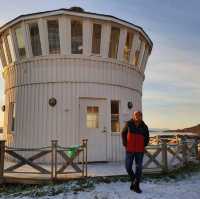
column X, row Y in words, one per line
column 64, row 11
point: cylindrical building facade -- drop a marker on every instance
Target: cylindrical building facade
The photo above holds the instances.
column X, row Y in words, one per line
column 70, row 74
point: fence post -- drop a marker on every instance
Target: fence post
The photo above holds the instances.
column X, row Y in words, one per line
column 2, row 154
column 164, row 156
column 83, row 158
column 177, row 139
column 54, row 144
column 196, row 149
column 184, row 150
column 84, row 141
column 157, row 139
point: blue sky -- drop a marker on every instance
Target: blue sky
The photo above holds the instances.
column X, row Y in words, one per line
column 171, row 94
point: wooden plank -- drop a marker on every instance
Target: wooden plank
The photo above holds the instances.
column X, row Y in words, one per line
column 69, row 161
column 184, row 150
column 152, row 158
column 164, row 156
column 175, row 154
column 189, row 149
column 32, row 158
column 25, row 161
column 2, row 154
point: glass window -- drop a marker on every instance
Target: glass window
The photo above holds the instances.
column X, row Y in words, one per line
column 35, row 39
column 11, row 47
column 76, row 37
column 96, row 39
column 12, row 114
column 92, row 117
column 137, row 53
column 20, row 42
column 2, row 54
column 115, row 121
column 128, row 46
column 8, row 48
column 53, row 36
column 144, row 59
column 114, row 42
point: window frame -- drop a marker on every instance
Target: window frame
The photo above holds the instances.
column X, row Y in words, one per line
column 97, row 114
column 2, row 53
column 29, row 25
column 58, row 51
column 17, row 44
column 119, row 116
column 145, row 55
column 7, row 46
column 130, row 47
column 136, row 60
column 93, row 24
column 81, row 21
column 114, row 26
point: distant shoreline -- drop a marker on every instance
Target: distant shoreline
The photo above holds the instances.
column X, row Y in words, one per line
column 194, row 129
column 154, row 133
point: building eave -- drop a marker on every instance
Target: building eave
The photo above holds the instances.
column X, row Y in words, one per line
column 64, row 11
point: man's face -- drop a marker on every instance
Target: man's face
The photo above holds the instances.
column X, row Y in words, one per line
column 137, row 116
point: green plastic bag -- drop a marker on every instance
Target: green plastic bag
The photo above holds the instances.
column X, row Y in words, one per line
column 71, row 152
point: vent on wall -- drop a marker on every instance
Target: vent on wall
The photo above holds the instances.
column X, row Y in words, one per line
column 76, row 9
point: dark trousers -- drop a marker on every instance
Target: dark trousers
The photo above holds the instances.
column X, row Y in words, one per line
column 138, row 156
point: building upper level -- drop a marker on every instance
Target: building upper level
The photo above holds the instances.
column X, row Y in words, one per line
column 73, row 32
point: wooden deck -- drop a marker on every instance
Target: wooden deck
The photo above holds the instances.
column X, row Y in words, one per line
column 29, row 168
column 94, row 170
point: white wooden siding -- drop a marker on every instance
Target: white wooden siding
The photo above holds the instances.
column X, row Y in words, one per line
column 32, row 84
column 37, row 123
column 73, row 70
column 118, row 151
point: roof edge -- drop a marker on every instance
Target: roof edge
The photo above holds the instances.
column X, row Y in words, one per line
column 20, row 18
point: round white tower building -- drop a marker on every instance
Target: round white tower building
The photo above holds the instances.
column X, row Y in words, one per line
column 71, row 74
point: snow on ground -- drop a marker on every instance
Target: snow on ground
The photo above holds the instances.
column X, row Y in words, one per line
column 181, row 188
column 106, row 169
column 119, row 190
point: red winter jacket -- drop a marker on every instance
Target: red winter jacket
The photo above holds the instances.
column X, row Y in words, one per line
column 135, row 138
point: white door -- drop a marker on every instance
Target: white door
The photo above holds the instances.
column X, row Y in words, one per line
column 93, row 126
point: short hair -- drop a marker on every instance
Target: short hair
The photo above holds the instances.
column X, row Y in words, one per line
column 137, row 112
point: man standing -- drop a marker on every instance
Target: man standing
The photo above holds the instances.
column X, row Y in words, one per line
column 135, row 136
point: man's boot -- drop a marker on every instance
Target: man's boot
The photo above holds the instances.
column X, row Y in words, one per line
column 136, row 187
column 132, row 186
column 132, row 182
